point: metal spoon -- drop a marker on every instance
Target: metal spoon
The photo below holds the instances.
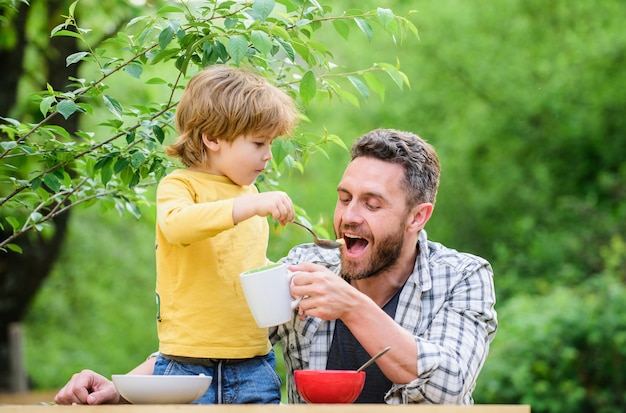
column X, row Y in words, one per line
column 320, row 242
column 373, row 359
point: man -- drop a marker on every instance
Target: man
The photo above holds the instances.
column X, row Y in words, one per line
column 388, row 286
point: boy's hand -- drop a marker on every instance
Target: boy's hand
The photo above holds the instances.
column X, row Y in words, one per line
column 275, row 203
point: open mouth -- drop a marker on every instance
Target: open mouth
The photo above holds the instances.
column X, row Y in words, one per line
column 355, row 244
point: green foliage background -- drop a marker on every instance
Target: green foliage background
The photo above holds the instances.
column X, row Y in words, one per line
column 524, row 102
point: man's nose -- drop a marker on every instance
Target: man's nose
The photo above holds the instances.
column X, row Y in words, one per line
column 352, row 213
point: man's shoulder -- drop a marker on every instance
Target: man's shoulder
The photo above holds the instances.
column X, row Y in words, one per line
column 439, row 254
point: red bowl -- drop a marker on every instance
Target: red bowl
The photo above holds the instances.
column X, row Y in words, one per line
column 329, row 386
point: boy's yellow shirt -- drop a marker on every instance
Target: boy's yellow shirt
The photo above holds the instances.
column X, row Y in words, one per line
column 200, row 254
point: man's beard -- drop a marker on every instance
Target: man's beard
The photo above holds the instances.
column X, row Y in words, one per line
column 384, row 254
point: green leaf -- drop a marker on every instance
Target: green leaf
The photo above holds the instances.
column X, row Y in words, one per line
column 231, row 23
column 52, row 182
column 308, row 87
column 407, row 24
column 35, row 184
column 288, row 49
column 398, row 77
column 164, row 55
column 125, row 175
column 134, row 69
column 7, row 146
column 365, row 27
column 58, row 130
column 106, row 173
column 67, row 33
column 375, row 84
column 158, row 133
column 15, row 224
column 320, row 47
column 72, row 8
column 45, row 104
column 113, row 106
column 56, row 29
column 85, row 108
column 342, row 28
column 134, row 180
column 261, row 9
column 261, row 41
column 170, row 9
column 35, row 217
column 133, row 209
column 75, row 58
column 337, row 141
column 120, row 165
column 15, row 248
column 12, row 121
column 66, row 108
column 281, row 149
column 165, row 37
column 385, row 16
column 237, row 47
column 137, row 159
column 156, row 81
column 360, row 86
column 90, row 166
column 280, row 32
column 303, row 50
column 343, row 94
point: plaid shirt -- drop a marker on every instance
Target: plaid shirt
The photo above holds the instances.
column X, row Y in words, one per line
column 447, row 304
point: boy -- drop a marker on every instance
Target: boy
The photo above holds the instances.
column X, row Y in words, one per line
column 211, row 226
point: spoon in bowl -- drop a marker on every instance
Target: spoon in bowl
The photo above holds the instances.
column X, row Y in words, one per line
column 373, row 359
column 320, row 242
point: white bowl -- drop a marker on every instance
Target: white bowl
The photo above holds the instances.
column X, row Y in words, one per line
column 148, row 389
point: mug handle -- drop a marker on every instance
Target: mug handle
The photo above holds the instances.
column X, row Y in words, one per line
column 296, row 301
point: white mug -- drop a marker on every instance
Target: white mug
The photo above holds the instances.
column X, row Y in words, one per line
column 267, row 292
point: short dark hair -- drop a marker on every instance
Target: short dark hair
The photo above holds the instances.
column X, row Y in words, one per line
column 419, row 159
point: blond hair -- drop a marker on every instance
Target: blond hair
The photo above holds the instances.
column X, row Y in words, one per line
column 225, row 102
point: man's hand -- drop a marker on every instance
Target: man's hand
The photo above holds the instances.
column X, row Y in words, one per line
column 88, row 387
column 326, row 295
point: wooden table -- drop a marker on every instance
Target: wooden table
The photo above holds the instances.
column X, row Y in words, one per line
column 283, row 408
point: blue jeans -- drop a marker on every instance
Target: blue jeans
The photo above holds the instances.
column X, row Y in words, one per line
column 253, row 381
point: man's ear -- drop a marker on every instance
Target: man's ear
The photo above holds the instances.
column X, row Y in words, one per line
column 211, row 143
column 419, row 216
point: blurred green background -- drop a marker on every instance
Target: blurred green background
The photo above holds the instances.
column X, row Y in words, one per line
column 525, row 103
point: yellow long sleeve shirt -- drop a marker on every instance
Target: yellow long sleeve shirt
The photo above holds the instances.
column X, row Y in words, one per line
column 199, row 256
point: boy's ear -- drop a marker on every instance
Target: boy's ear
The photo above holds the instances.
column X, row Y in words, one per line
column 211, row 143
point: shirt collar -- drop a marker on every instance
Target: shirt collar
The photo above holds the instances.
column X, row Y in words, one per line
column 421, row 276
